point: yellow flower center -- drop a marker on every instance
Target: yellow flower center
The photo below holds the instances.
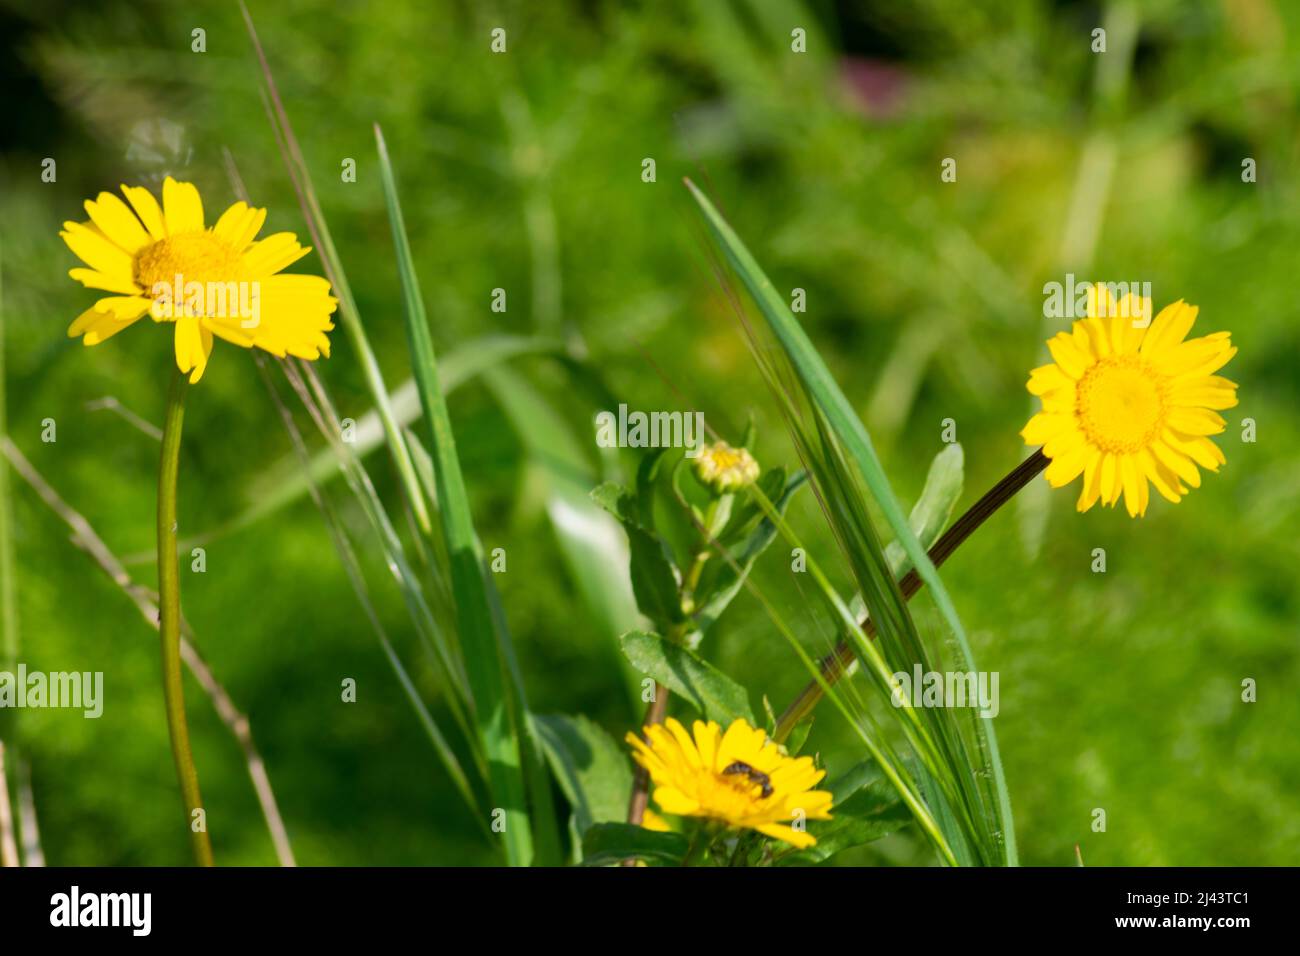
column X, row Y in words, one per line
column 724, row 458
column 1121, row 403
column 194, row 256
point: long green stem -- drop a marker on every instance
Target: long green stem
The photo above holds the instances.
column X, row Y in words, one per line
column 169, row 603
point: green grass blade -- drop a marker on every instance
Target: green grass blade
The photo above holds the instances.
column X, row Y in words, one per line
column 837, row 413
column 499, row 733
column 351, row 318
column 334, row 525
column 285, row 482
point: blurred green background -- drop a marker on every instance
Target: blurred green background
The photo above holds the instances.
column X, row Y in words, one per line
column 523, row 171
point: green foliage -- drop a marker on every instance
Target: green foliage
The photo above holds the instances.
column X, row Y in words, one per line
column 833, row 441
column 500, row 720
column 869, row 813
column 711, row 692
column 924, row 300
column 591, row 768
column 608, row 844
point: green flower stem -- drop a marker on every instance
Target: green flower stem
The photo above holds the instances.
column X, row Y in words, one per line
column 836, row 664
column 169, row 603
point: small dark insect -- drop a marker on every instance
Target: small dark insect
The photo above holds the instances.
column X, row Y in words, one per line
column 755, row 776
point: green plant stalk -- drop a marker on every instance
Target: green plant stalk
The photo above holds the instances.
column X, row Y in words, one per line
column 916, row 733
column 8, row 602
column 169, row 630
column 498, row 728
column 8, row 618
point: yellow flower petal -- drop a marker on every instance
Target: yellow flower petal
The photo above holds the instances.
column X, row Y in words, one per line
column 797, row 838
column 1169, row 327
column 118, row 224
column 95, row 326
column 92, row 248
column 97, row 280
column 182, row 207
column 193, row 345
column 147, row 208
column 1071, row 361
column 275, row 252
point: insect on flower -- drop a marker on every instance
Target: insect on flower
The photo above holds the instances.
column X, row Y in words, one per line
column 738, row 777
column 755, row 776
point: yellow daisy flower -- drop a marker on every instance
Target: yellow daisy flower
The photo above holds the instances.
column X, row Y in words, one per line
column 222, row 280
column 740, row 778
column 724, row 468
column 1127, row 406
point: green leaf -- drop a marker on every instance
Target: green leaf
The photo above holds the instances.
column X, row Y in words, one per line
column 943, row 486
column 616, row 500
column 608, row 844
column 706, row 688
column 799, row 736
column 647, row 473
column 871, row 812
column 593, row 771
column 497, row 723
column 655, row 581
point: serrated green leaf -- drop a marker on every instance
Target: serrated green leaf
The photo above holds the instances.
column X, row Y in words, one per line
column 706, row 688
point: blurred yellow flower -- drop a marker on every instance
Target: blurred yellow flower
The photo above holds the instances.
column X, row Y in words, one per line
column 1126, row 406
column 162, row 261
column 740, row 778
column 653, row 821
column 724, row 468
